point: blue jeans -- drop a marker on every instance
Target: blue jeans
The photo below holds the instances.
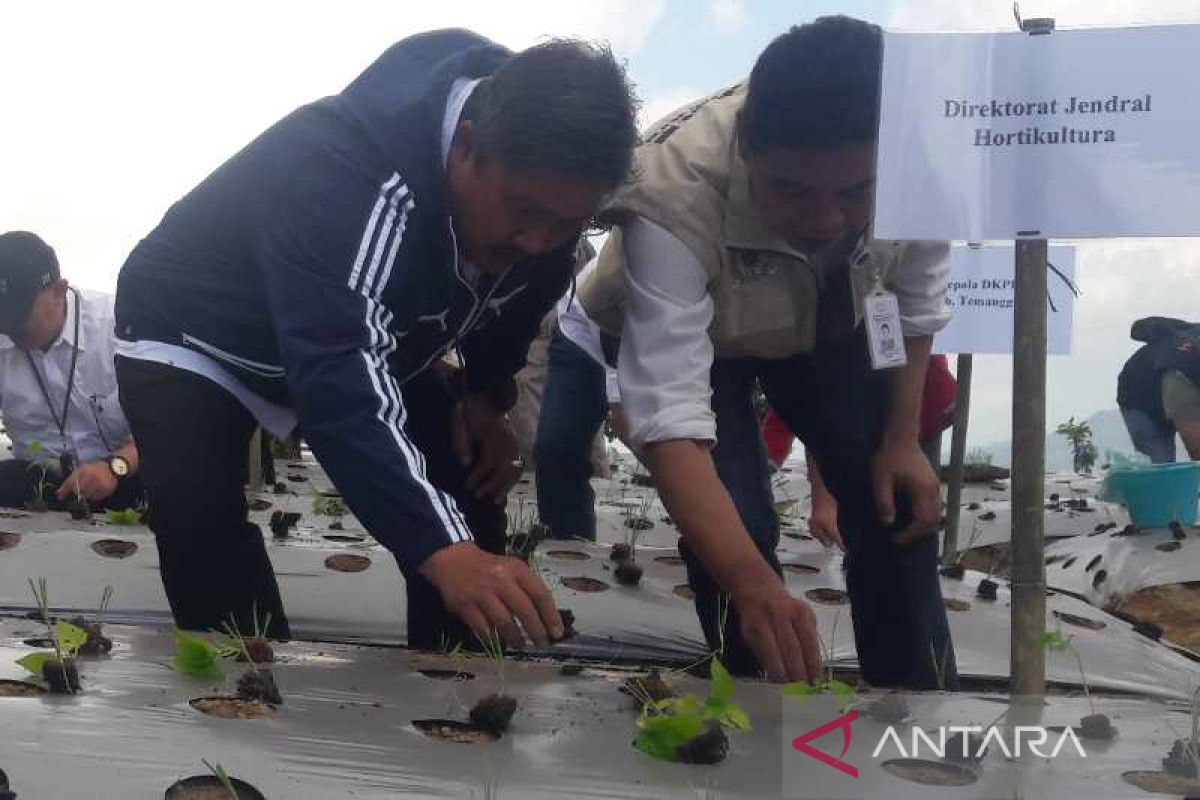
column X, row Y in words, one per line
column 574, row 406
column 833, row 401
column 1151, row 437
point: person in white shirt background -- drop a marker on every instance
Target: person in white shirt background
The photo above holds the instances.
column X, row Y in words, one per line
column 58, row 387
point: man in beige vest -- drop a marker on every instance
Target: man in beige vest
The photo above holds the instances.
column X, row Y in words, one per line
column 742, row 256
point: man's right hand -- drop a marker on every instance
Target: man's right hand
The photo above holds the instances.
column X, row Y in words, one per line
column 779, row 629
column 492, row 593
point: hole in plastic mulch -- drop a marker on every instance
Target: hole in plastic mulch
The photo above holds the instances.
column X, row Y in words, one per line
column 957, row 605
column 209, row 787
column 447, row 674
column 1080, row 622
column 9, row 540
column 347, row 563
column 568, row 555
column 828, row 597
column 800, row 569
column 1162, row 783
column 929, row 773
column 114, row 548
column 40, row 643
column 583, row 584
column 343, row 537
column 1168, row 547
column 673, row 561
column 685, row 591
column 1091, row 565
column 20, row 689
column 232, row 708
column 450, row 730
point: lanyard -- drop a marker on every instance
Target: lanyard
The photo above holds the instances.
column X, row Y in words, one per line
column 61, row 422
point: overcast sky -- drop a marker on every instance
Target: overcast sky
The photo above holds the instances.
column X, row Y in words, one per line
column 114, row 110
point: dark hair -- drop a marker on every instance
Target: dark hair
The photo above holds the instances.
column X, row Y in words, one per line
column 564, row 106
column 26, row 252
column 816, row 86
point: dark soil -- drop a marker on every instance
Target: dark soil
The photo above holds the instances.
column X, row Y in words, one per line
column 97, row 643
column 652, row 686
column 891, row 708
column 828, row 597
column 801, row 569
column 232, row 708
column 1179, row 761
column 567, row 555
column 259, row 684
column 209, row 787
column 640, row 479
column 61, row 677
column 973, row 506
column 1095, row 562
column 629, row 573
column 280, row 488
column 570, row 670
column 1080, row 622
column 1096, row 726
column 987, row 589
column 522, row 545
column 282, row 522
column 494, row 712
column 585, row 584
column 953, row 604
column 1129, row 530
column 710, row 747
column 259, row 504
column 9, row 540
column 114, row 548
column 79, row 509
column 347, row 563
column 20, row 689
column 1163, row 783
column 930, row 773
column 1177, row 531
column 965, row 748
column 337, row 525
column 297, row 478
column 1100, row 577
column 987, row 516
column 451, row 730
column 567, row 616
column 1168, row 547
column 672, row 561
column 620, row 552
column 685, row 591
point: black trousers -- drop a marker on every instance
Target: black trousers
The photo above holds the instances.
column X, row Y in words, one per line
column 193, row 438
column 19, row 484
column 835, row 403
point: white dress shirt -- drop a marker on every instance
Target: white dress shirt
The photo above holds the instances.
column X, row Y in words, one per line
column 95, row 424
column 666, row 354
column 579, row 328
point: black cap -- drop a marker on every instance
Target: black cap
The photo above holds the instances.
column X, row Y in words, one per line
column 27, row 266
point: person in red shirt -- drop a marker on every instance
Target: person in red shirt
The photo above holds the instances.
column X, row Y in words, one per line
column 937, row 414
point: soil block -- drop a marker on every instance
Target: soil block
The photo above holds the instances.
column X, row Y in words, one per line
column 260, row 651
column 567, row 617
column 709, row 747
column 987, row 589
column 650, row 686
column 629, row 573
column 209, row 787
column 620, row 552
column 280, row 488
column 232, row 708
column 1096, row 726
column 494, row 712
column 79, row 509
column 97, row 643
column 61, row 677
column 1177, row 531
column 953, row 571
column 259, row 684
column 282, row 522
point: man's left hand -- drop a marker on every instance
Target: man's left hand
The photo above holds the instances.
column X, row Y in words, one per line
column 93, row 481
column 479, row 427
column 900, row 465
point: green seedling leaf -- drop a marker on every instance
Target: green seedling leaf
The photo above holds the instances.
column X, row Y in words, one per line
column 130, row 516
column 196, row 656
column 70, row 637
column 663, row 734
column 722, row 682
column 735, row 717
column 801, row 689
column 1055, row 641
column 34, row 662
column 839, row 689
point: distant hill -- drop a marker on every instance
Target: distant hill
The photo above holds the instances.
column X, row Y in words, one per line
column 1108, row 430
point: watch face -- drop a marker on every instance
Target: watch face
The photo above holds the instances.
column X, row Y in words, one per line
column 119, row 466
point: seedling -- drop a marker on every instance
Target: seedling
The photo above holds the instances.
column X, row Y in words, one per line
column 331, row 506
column 258, row 682
column 256, row 649
column 628, row 571
column 58, row 668
column 525, row 532
column 1093, row 726
column 79, row 507
column 1184, row 756
column 495, row 712
column 196, row 656
column 940, row 665
column 843, row 692
column 221, row 775
column 128, row 516
column 691, row 730
column 97, row 643
column 39, row 462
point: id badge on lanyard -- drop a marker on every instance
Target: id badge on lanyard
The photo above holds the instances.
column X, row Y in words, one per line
column 885, row 339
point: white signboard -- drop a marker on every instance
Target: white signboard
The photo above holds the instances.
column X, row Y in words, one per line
column 1077, row 133
column 981, row 299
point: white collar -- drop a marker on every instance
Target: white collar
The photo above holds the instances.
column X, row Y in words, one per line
column 459, row 92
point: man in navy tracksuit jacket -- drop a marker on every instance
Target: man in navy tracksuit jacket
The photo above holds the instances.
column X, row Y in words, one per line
column 319, row 278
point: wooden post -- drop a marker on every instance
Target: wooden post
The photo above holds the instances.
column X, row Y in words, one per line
column 256, row 467
column 1028, row 470
column 958, row 455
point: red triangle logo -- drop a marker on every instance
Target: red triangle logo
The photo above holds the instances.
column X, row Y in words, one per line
column 843, row 723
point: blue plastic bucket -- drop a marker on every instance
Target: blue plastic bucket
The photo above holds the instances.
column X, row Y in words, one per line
column 1156, row 494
